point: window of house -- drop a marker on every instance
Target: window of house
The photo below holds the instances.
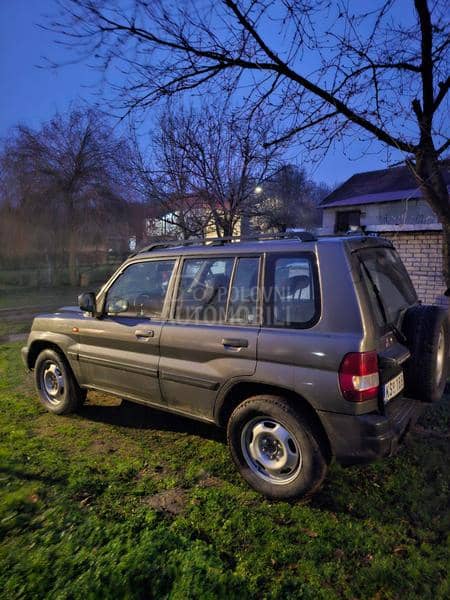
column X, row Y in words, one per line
column 347, row 219
column 290, row 294
column 140, row 290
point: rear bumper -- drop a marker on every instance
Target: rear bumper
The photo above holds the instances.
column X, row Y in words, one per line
column 363, row 438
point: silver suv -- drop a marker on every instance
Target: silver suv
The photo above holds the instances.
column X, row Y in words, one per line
column 306, row 350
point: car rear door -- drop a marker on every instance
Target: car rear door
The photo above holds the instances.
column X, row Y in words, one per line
column 388, row 292
column 119, row 352
column 212, row 334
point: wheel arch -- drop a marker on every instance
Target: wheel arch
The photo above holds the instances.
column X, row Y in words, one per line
column 37, row 346
column 240, row 391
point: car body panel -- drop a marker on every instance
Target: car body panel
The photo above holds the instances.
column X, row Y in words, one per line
column 195, row 363
column 60, row 329
column 111, row 356
column 186, row 368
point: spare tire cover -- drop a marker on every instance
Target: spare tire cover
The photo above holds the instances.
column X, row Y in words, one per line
column 426, row 329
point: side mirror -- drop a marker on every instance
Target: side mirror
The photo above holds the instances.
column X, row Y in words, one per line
column 87, row 302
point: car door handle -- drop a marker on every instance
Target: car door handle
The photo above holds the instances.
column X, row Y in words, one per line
column 235, row 343
column 144, row 333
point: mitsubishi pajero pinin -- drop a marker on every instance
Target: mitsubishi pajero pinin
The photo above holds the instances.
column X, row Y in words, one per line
column 306, row 350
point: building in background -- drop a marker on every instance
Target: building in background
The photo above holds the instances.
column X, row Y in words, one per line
column 389, row 202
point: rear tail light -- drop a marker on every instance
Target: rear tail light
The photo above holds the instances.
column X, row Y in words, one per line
column 358, row 376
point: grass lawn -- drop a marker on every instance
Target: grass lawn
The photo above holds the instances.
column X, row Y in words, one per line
column 125, row 502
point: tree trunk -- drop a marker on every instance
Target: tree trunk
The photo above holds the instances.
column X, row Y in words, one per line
column 434, row 188
column 228, row 227
column 446, row 255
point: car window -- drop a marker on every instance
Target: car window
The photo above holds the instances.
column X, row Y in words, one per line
column 290, row 292
column 242, row 307
column 203, row 289
column 140, row 290
column 385, row 270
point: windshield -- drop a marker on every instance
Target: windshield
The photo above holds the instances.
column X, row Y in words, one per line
column 388, row 284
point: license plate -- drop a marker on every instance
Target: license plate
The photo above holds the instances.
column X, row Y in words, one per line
column 393, row 387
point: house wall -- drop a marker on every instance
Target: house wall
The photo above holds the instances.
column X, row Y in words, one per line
column 421, row 252
column 414, row 230
column 413, row 212
column 401, row 212
column 328, row 220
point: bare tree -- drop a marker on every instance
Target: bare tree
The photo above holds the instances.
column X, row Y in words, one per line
column 65, row 182
column 206, row 163
column 166, row 179
column 289, row 199
column 325, row 70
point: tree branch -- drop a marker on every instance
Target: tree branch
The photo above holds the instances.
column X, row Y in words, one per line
column 427, row 65
column 282, row 68
column 296, row 130
column 443, row 148
column 444, row 86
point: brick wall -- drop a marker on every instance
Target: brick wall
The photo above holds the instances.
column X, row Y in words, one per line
column 421, row 251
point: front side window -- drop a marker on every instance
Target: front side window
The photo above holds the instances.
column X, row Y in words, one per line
column 140, row 290
column 290, row 294
column 203, row 290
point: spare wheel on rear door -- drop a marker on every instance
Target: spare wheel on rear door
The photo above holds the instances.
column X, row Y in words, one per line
column 426, row 329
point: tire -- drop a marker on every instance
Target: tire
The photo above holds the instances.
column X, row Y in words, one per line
column 426, row 329
column 276, row 449
column 56, row 385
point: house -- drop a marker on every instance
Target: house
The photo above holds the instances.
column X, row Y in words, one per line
column 389, row 202
column 189, row 215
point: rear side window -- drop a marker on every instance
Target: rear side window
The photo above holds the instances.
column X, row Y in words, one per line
column 203, row 290
column 219, row 290
column 291, row 294
column 386, row 271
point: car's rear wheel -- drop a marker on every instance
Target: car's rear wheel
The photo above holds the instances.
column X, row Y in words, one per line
column 275, row 448
column 56, row 385
column 426, row 329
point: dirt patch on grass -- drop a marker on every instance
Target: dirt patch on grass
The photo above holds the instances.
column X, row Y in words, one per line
column 102, row 399
column 13, row 337
column 102, row 446
column 210, row 481
column 157, row 472
column 172, row 502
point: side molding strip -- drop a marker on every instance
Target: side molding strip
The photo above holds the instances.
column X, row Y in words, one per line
column 104, row 362
column 206, row 384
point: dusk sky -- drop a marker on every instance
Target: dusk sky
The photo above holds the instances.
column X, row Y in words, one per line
column 32, row 93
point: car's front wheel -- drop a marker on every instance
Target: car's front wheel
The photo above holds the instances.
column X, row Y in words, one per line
column 275, row 448
column 56, row 385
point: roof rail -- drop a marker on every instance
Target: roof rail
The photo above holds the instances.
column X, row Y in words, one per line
column 301, row 236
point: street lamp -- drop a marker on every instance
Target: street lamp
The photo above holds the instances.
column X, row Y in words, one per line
column 258, row 189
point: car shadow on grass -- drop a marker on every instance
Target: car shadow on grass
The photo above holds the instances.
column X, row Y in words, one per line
column 359, row 492
column 137, row 416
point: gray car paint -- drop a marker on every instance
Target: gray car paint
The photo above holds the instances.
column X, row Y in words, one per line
column 185, row 368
